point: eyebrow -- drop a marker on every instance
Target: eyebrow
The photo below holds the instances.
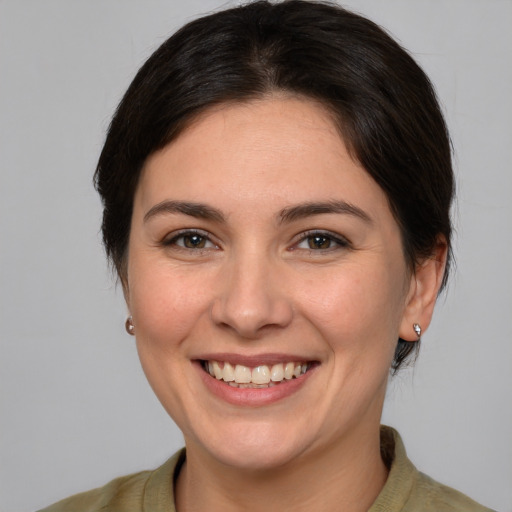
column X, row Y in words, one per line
column 302, row 211
column 286, row 215
column 197, row 210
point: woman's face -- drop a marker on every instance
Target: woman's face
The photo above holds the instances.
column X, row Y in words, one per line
column 257, row 242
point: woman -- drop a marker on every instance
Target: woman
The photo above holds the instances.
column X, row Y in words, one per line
column 277, row 184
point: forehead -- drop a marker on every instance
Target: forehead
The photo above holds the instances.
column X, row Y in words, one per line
column 265, row 152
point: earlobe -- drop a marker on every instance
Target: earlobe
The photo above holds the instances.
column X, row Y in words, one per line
column 425, row 285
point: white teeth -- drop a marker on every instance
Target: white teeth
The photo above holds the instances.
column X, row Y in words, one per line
column 243, row 374
column 277, row 373
column 228, row 373
column 259, row 377
column 288, row 371
column 217, row 370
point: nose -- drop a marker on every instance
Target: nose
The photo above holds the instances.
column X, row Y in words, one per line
column 252, row 298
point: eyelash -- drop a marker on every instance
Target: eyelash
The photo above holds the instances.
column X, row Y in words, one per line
column 188, row 233
column 339, row 241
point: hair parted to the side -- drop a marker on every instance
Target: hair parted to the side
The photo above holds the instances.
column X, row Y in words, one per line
column 382, row 102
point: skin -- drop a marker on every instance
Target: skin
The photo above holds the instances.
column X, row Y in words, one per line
column 255, row 286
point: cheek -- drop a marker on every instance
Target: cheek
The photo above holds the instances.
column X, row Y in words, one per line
column 357, row 307
column 166, row 303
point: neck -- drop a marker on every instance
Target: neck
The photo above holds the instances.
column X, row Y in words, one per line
column 348, row 476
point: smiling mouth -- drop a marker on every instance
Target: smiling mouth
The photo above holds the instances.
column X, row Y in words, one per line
column 263, row 376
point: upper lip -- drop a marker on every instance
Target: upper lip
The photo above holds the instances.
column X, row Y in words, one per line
column 254, row 360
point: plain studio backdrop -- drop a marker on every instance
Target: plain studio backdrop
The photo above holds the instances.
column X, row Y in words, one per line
column 76, row 410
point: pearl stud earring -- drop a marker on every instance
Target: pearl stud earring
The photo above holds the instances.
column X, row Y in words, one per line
column 128, row 325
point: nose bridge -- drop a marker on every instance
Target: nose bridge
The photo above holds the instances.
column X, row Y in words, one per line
column 251, row 297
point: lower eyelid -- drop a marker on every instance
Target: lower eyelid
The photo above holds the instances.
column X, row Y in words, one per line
column 208, row 244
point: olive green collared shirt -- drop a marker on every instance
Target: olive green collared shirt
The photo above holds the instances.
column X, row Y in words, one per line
column 406, row 489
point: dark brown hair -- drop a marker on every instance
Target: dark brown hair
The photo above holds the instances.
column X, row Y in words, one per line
column 382, row 102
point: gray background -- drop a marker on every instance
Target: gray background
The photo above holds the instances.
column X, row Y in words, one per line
column 76, row 410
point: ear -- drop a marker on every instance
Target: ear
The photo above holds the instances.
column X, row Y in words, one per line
column 122, row 279
column 424, row 288
column 126, row 295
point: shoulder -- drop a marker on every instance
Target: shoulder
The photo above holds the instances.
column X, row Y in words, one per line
column 130, row 493
column 409, row 490
column 123, row 494
column 428, row 494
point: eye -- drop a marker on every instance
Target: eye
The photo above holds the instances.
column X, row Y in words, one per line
column 194, row 240
column 321, row 241
column 317, row 242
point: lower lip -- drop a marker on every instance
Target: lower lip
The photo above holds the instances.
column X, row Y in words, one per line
column 253, row 397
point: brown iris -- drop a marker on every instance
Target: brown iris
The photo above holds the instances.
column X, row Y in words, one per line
column 194, row 241
column 319, row 242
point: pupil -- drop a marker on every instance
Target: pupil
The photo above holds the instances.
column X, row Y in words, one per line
column 194, row 241
column 319, row 242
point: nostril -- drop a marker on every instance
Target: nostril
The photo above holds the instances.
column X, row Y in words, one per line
column 252, row 316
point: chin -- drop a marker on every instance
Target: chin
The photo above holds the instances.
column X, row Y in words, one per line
column 256, row 457
column 261, row 447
